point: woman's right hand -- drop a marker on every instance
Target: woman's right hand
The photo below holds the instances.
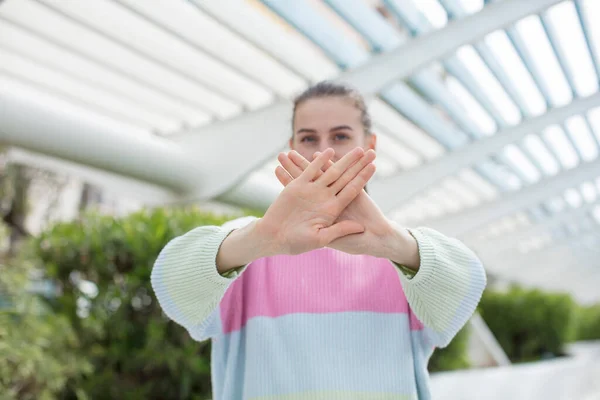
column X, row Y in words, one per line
column 303, row 216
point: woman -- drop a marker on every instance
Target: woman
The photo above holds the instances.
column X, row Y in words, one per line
column 323, row 297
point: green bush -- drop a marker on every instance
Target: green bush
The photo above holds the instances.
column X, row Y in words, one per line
column 454, row 356
column 530, row 324
column 588, row 323
column 39, row 351
column 136, row 352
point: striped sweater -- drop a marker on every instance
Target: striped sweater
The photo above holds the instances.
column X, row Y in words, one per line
column 320, row 325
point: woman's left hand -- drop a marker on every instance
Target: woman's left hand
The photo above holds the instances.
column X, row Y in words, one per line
column 381, row 238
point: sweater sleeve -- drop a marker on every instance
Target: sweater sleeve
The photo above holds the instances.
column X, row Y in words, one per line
column 445, row 291
column 185, row 279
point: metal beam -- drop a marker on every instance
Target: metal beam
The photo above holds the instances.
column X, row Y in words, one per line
column 510, row 241
column 586, row 25
column 531, row 266
column 238, row 146
column 462, row 223
column 537, row 264
column 389, row 67
column 371, row 25
column 256, row 192
column 229, row 151
column 564, row 240
column 408, row 13
column 46, row 127
column 394, row 191
column 50, row 135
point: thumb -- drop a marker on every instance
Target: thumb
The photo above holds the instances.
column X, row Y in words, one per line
column 337, row 230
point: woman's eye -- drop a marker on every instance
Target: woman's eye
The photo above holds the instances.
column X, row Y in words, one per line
column 308, row 139
column 341, row 136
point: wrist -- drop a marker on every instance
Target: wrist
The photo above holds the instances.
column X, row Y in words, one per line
column 242, row 246
column 265, row 239
column 401, row 247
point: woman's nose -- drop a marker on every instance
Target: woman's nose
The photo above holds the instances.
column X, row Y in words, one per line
column 323, row 146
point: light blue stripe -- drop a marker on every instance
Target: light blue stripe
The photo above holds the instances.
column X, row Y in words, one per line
column 468, row 304
column 420, row 341
column 351, row 351
column 228, row 363
column 466, row 307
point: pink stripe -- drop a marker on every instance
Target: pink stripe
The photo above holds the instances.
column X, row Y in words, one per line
column 415, row 324
column 321, row 281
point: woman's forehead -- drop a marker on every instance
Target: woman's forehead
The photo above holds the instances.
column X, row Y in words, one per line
column 327, row 111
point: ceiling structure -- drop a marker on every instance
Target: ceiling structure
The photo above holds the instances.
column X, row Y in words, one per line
column 487, row 113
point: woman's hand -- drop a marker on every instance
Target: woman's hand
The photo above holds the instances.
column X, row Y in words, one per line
column 304, row 216
column 361, row 210
column 380, row 238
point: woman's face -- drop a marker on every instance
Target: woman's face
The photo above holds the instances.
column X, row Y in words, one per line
column 326, row 122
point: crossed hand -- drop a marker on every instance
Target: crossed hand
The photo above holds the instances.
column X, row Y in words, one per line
column 324, row 204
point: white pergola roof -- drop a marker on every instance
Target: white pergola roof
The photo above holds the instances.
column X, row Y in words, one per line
column 487, row 115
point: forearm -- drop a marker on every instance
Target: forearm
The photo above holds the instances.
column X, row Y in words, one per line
column 244, row 245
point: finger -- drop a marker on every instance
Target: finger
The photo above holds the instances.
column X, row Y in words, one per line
column 337, row 169
column 302, row 162
column 356, row 185
column 299, row 160
column 338, row 230
column 353, row 171
column 314, row 168
column 289, row 165
column 283, row 176
column 326, row 166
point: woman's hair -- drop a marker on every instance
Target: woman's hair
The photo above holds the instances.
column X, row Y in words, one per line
column 332, row 89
